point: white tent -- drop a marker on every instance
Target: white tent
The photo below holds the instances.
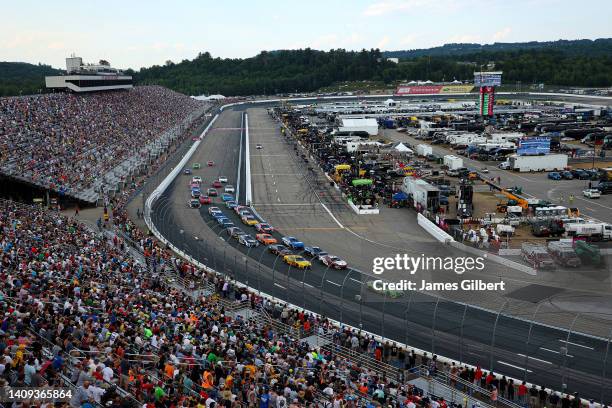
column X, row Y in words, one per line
column 208, row 98
column 402, row 148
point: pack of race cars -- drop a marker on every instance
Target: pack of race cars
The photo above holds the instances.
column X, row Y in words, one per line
column 286, row 248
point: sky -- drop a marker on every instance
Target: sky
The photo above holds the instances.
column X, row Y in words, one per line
column 137, row 33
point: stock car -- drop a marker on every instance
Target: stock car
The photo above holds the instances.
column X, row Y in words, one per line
column 248, row 241
column 229, row 189
column 194, row 203
column 334, row 262
column 213, row 210
column 227, row 197
column 231, row 204
column 297, row 261
column 210, row 163
column 240, row 208
column 314, row 251
column 196, row 179
column 196, row 166
column 212, row 192
column 264, row 227
column 248, row 220
column 222, row 179
column 293, row 243
column 187, row 171
column 266, row 239
column 195, row 193
column 222, row 218
column 216, row 184
column 204, row 199
column 280, row 250
column 235, row 232
column 227, row 223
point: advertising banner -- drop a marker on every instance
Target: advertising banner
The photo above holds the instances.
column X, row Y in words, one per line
column 432, row 89
column 533, row 146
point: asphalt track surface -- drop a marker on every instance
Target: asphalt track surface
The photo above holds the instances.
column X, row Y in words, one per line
column 472, row 335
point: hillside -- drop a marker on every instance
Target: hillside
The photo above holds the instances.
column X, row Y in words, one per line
column 20, row 78
column 601, row 46
column 582, row 63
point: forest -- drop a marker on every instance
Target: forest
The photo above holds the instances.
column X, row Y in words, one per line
column 580, row 63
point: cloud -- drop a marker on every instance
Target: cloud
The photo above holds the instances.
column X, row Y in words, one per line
column 384, row 7
column 502, row 34
column 464, row 38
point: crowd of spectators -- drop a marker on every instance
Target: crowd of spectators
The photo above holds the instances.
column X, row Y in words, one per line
column 66, row 141
column 76, row 305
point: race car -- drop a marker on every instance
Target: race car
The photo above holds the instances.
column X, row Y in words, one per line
column 279, row 250
column 393, row 294
column 195, row 193
column 194, row 185
column 196, row 179
column 221, row 219
column 229, row 189
column 204, row 199
column 266, row 239
column 213, row 210
column 297, row 261
column 313, row 251
column 210, row 163
column 258, row 146
column 248, row 241
column 216, row 184
column 332, row 261
column 212, row 192
column 227, row 197
column 231, row 204
column 264, row 227
column 223, row 179
column 239, row 208
column 194, row 203
column 227, row 223
column 293, row 243
column 187, row 171
column 248, row 220
column 196, row 166
column 242, row 213
column 235, row 232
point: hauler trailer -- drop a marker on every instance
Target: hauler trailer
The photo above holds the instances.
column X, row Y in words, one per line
column 548, row 162
column 594, row 230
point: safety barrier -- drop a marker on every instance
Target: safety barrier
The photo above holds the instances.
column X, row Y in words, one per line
column 434, row 230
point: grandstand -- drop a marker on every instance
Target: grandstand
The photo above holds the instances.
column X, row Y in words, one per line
column 88, row 146
column 113, row 315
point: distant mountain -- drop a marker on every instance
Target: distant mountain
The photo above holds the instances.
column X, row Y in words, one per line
column 21, row 78
column 601, row 46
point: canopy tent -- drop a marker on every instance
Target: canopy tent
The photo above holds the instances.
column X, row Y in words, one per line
column 400, row 196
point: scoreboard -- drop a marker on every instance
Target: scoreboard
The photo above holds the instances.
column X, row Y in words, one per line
column 487, row 78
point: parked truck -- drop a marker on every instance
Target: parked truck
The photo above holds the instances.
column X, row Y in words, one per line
column 424, row 150
column 453, row 162
column 548, row 162
column 592, row 230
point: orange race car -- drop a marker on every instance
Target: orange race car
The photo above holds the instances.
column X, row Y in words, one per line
column 266, row 239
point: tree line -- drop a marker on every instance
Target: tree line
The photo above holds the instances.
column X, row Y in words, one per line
column 307, row 70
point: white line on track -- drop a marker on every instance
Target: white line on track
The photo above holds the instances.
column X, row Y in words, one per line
column 513, row 366
column 576, row 344
column 355, row 280
column 534, row 359
column 308, row 284
column 280, row 286
column 286, row 204
column 555, row 351
column 334, row 283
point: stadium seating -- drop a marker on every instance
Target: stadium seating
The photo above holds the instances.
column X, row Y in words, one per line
column 79, row 309
column 84, row 145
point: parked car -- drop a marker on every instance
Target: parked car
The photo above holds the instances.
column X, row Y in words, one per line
column 554, row 175
column 605, row 187
column 591, row 193
column 567, row 175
